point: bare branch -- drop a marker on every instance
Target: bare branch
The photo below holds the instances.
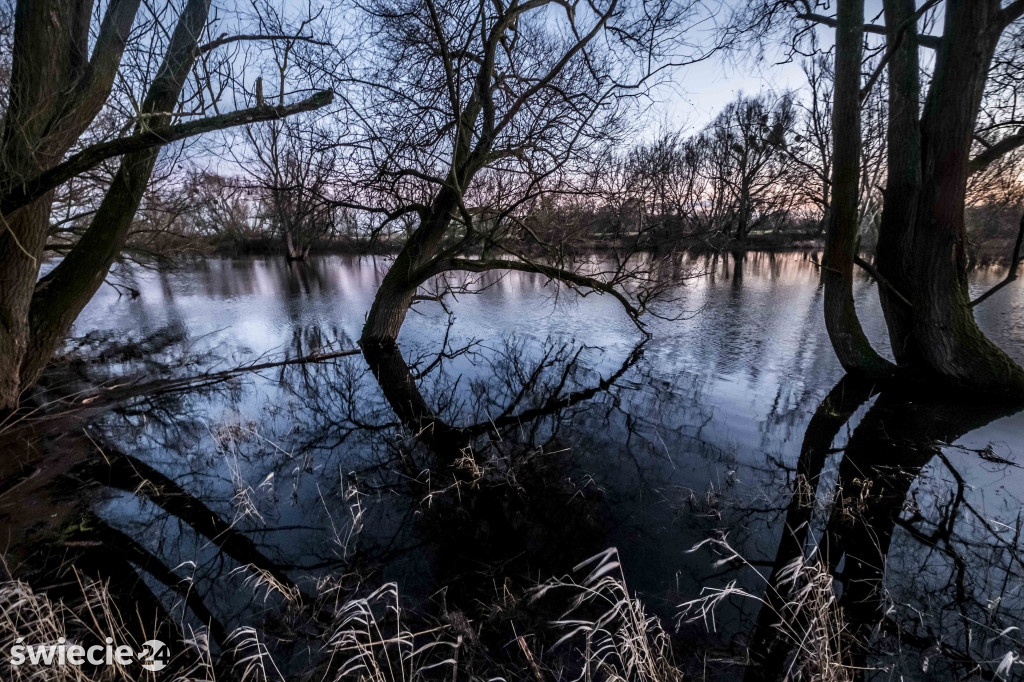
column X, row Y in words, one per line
column 90, row 157
column 993, row 152
column 573, row 279
column 931, row 42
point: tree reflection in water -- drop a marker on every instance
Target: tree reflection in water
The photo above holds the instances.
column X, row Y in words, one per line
column 471, row 487
column 928, row 584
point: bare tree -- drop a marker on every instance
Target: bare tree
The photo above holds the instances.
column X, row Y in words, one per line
column 505, row 104
column 290, row 170
column 58, row 88
column 811, row 153
column 934, row 119
column 747, row 162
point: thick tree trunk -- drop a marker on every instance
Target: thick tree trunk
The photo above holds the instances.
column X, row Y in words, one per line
column 390, row 306
column 22, row 240
column 60, row 295
column 950, row 344
column 848, row 339
column 293, row 247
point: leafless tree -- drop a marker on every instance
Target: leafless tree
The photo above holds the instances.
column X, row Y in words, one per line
column 506, row 102
column 747, row 162
column 943, row 124
column 291, row 171
column 69, row 64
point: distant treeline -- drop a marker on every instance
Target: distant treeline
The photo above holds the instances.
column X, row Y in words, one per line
column 757, row 176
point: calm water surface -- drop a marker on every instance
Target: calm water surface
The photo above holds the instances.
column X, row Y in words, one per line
column 584, row 440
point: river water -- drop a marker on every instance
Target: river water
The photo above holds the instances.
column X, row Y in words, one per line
column 571, row 435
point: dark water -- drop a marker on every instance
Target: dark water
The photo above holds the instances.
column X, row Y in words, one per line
column 567, row 436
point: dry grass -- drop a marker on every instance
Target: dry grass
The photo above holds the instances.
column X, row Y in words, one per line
column 809, row 623
column 621, row 642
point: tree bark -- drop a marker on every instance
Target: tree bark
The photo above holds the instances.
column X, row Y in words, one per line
column 411, row 268
column 848, row 339
column 903, row 183
column 950, row 344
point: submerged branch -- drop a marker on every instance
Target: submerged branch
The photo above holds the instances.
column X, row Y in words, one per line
column 207, row 378
column 573, row 279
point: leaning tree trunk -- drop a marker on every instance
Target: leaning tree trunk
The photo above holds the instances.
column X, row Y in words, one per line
column 950, row 344
column 848, row 339
column 55, row 92
column 412, row 267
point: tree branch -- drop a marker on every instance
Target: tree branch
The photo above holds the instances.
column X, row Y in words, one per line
column 226, row 39
column 994, row 151
column 878, row 277
column 928, row 41
column 573, row 279
column 895, row 44
column 1012, row 12
column 1015, row 260
column 90, row 157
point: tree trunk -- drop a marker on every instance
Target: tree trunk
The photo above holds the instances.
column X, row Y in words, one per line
column 41, row 124
column 848, row 339
column 411, row 268
column 294, row 247
column 22, row 240
column 390, row 306
column 947, row 338
column 903, row 183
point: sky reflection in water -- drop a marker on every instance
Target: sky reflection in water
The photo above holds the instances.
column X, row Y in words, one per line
column 699, row 432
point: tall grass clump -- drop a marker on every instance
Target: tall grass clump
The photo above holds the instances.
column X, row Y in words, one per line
column 620, row 641
column 806, row 616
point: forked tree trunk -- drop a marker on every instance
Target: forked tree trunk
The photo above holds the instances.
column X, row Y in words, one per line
column 848, row 339
column 925, row 241
column 296, row 250
column 50, row 105
column 55, row 92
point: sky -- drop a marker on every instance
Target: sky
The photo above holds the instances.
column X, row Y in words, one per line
column 704, row 89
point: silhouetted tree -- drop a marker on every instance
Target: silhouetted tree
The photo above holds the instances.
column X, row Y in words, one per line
column 58, row 88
